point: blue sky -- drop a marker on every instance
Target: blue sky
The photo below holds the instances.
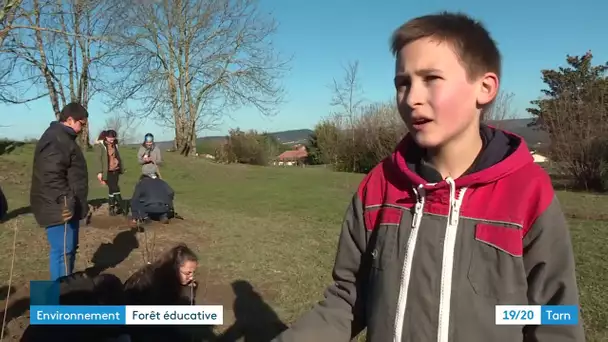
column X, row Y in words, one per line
column 325, row 35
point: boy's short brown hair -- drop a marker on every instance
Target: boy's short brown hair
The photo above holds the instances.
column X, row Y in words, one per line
column 469, row 39
column 73, row 110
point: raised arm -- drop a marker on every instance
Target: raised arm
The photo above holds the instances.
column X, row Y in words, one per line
column 140, row 155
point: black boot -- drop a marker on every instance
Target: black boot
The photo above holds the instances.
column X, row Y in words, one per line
column 120, row 205
column 112, row 206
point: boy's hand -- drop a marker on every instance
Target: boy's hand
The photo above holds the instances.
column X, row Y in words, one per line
column 66, row 214
column 100, row 179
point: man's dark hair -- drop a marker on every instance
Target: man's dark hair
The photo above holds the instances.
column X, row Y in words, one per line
column 469, row 39
column 73, row 110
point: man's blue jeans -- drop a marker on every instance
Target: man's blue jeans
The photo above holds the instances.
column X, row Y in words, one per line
column 63, row 240
column 141, row 211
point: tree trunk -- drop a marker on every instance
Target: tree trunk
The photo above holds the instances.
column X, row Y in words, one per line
column 83, row 139
column 193, row 140
column 185, row 140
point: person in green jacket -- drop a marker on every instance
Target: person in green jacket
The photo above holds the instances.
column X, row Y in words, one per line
column 110, row 169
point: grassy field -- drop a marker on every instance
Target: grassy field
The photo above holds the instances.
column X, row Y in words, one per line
column 274, row 229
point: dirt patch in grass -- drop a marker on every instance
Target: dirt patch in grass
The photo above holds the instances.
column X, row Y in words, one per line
column 108, row 222
column 13, row 173
column 108, row 245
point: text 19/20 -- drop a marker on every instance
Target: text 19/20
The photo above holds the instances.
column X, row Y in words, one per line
column 518, row 315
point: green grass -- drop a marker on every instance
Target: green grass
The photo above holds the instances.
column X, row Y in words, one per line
column 274, row 227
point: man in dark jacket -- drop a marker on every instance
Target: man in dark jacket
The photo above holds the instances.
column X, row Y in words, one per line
column 59, row 189
column 152, row 197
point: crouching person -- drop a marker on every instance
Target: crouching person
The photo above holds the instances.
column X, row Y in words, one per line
column 152, row 197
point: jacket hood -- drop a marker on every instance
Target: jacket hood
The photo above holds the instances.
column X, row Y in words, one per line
column 502, row 154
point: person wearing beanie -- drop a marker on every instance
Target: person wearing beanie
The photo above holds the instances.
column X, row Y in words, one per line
column 149, row 153
column 152, row 197
column 110, row 169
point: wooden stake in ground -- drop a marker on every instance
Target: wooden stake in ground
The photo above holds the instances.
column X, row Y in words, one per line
column 147, row 253
column 10, row 280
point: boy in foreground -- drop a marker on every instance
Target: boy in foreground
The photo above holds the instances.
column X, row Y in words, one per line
column 458, row 220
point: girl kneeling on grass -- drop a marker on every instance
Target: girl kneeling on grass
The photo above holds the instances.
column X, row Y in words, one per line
column 111, row 167
column 169, row 280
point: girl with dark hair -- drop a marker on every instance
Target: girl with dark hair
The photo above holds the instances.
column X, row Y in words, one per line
column 167, row 281
column 101, row 137
column 111, row 168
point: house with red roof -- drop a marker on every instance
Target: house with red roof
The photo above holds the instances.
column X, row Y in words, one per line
column 296, row 156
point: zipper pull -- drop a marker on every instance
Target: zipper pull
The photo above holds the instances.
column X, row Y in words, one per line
column 417, row 215
column 455, row 214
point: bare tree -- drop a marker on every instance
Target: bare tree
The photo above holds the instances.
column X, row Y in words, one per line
column 7, row 17
column 348, row 93
column 501, row 109
column 191, row 62
column 125, row 126
column 348, row 97
column 55, row 48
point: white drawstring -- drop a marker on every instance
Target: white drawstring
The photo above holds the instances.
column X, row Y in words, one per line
column 407, row 262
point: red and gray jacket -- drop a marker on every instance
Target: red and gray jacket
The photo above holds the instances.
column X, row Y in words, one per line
column 424, row 259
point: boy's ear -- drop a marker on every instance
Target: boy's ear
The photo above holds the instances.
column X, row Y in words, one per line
column 488, row 88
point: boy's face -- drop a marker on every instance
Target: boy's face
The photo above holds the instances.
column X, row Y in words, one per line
column 436, row 100
column 76, row 125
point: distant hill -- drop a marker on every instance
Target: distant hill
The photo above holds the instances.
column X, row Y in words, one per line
column 286, row 137
column 534, row 137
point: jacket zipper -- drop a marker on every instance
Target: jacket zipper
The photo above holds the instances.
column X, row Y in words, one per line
column 407, row 263
column 443, row 326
